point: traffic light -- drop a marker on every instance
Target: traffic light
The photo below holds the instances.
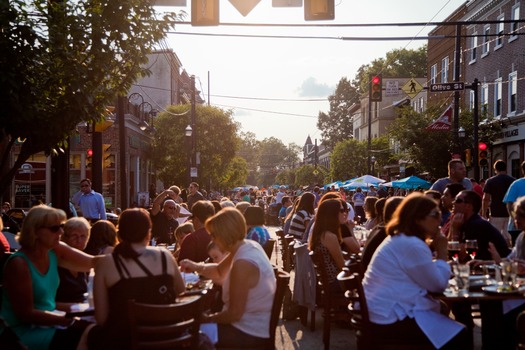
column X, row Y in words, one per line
column 482, row 155
column 376, row 88
column 468, row 157
column 204, row 12
column 319, row 10
column 89, row 159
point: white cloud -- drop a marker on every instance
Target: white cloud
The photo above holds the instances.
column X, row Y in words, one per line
column 311, row 88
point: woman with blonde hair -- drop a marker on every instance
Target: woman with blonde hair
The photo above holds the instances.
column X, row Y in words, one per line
column 248, row 283
column 31, row 281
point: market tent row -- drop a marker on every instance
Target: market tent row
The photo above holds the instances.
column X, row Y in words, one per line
column 409, row 183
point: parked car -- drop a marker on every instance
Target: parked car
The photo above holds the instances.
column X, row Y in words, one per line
column 112, row 217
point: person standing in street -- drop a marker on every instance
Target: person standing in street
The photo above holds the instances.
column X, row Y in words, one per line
column 516, row 190
column 194, row 195
column 493, row 207
column 456, row 174
column 91, row 203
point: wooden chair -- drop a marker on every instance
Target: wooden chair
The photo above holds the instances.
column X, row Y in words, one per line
column 520, row 326
column 171, row 326
column 333, row 305
column 268, row 247
column 283, row 279
column 366, row 338
column 304, row 278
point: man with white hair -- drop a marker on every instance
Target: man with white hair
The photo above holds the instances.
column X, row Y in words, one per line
column 165, row 220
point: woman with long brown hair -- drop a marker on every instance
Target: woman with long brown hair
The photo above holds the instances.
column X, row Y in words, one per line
column 326, row 237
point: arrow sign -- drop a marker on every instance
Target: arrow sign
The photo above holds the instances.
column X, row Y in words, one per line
column 244, row 6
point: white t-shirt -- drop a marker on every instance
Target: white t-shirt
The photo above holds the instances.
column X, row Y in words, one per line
column 256, row 318
column 397, row 282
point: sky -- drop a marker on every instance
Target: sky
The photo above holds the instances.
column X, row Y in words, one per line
column 276, row 87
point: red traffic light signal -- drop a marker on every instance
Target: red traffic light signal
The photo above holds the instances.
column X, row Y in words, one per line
column 89, row 152
column 482, row 155
column 376, row 88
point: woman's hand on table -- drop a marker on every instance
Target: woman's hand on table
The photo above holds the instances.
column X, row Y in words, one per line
column 187, row 265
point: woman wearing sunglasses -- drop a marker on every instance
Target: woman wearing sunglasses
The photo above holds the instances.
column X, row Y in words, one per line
column 400, row 275
column 31, row 281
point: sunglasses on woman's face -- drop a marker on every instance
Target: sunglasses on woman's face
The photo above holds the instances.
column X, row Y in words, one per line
column 55, row 228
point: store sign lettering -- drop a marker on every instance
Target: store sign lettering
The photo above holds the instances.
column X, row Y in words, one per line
column 509, row 133
column 23, row 189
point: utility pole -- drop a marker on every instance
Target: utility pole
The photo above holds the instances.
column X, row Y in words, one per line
column 474, row 87
column 123, row 170
column 457, row 67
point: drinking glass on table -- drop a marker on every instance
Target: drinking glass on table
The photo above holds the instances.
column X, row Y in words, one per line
column 453, row 250
column 462, row 278
column 471, row 245
column 509, row 271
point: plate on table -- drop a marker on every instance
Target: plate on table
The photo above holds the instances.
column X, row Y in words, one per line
column 501, row 289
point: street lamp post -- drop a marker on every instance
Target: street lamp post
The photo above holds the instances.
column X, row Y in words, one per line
column 193, row 128
column 188, row 136
column 373, row 162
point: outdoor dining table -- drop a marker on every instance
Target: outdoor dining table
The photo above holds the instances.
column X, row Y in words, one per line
column 490, row 307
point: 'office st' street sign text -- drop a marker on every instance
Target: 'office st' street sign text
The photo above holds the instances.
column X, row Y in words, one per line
column 457, row 86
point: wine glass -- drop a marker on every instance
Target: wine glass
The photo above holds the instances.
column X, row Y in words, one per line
column 471, row 245
column 453, row 250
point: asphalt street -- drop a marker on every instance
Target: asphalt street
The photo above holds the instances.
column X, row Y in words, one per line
column 293, row 335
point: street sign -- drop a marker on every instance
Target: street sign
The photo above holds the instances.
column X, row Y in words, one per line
column 244, row 6
column 412, row 88
column 391, row 88
column 457, row 86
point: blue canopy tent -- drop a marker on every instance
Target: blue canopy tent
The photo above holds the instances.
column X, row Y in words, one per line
column 411, row 182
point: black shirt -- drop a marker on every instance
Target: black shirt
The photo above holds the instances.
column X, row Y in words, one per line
column 484, row 232
column 163, row 228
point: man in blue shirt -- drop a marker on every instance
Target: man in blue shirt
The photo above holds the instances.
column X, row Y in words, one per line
column 91, row 203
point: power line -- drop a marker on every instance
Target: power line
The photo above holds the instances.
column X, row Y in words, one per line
column 360, row 25
column 261, row 110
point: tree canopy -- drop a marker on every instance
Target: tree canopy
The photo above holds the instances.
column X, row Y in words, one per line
column 63, row 63
column 217, row 143
column 337, row 125
column 431, row 150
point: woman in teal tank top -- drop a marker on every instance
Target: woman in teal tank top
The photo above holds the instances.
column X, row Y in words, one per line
column 31, row 280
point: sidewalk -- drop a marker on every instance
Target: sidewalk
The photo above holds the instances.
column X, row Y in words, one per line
column 293, row 335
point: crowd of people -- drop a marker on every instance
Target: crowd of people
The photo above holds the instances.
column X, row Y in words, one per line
column 403, row 259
